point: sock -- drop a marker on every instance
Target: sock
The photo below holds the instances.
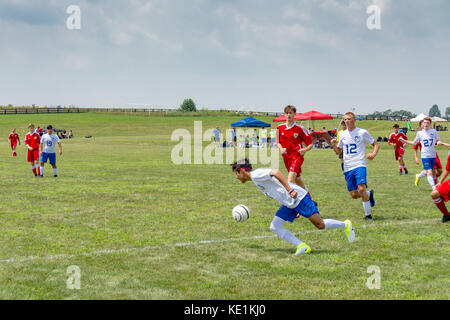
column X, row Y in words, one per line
column 430, row 181
column 42, row 171
column 368, row 193
column 54, row 171
column 277, row 227
column 33, row 168
column 400, row 167
column 366, row 206
column 333, row 224
column 441, row 206
column 422, row 174
column 38, row 169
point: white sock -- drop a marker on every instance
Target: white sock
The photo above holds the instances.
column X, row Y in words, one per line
column 277, row 227
column 54, row 171
column 368, row 193
column 430, row 181
column 33, row 167
column 333, row 224
column 422, row 174
column 42, row 171
column 366, row 206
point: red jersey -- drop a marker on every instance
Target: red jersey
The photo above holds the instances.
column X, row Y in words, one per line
column 292, row 137
column 394, row 138
column 13, row 137
column 33, row 140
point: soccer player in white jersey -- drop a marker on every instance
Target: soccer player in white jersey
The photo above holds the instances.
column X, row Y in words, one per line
column 428, row 138
column 353, row 143
column 294, row 200
column 47, row 149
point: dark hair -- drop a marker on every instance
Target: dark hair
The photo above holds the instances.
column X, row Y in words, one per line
column 396, row 126
column 289, row 108
column 49, row 127
column 241, row 164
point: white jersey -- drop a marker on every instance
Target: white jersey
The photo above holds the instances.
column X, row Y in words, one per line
column 353, row 145
column 428, row 140
column 49, row 142
column 273, row 188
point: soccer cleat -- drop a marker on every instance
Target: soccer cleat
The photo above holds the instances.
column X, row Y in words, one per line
column 302, row 248
column 55, row 175
column 417, row 180
column 445, row 218
column 371, row 198
column 349, row 232
column 406, row 171
column 368, row 218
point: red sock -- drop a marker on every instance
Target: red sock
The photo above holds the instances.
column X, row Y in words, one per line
column 34, row 171
column 38, row 170
column 441, row 206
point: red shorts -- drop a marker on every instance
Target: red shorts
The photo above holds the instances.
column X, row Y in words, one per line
column 13, row 145
column 33, row 155
column 437, row 164
column 444, row 190
column 399, row 153
column 294, row 163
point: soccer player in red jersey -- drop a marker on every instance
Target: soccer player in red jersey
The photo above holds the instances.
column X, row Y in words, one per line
column 290, row 139
column 13, row 138
column 32, row 141
column 399, row 147
column 441, row 193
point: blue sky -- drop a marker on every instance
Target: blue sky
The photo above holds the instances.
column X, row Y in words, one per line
column 252, row 55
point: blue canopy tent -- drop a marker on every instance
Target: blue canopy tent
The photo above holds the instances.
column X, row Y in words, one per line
column 250, row 122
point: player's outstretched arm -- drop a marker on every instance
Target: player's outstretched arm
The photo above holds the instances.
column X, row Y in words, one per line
column 376, row 148
column 335, row 147
column 279, row 175
column 406, row 141
column 440, row 143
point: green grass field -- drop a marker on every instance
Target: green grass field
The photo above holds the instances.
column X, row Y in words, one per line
column 134, row 222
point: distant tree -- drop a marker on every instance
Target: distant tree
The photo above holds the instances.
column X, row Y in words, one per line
column 188, row 105
column 434, row 111
column 390, row 113
column 447, row 112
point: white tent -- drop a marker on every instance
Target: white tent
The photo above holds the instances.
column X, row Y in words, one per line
column 437, row 119
column 419, row 118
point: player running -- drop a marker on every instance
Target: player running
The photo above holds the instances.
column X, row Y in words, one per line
column 428, row 138
column 290, row 137
column 47, row 149
column 399, row 147
column 442, row 192
column 13, row 138
column 32, row 141
column 353, row 143
column 437, row 169
column 294, row 201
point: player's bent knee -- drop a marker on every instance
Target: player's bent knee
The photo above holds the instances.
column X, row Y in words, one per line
column 435, row 194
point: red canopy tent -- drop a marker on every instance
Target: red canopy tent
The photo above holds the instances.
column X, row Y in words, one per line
column 283, row 118
column 315, row 115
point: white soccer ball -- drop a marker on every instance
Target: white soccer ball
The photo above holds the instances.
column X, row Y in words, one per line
column 241, row 213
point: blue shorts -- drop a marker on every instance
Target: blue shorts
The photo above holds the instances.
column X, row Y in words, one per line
column 49, row 156
column 356, row 177
column 306, row 208
column 428, row 163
